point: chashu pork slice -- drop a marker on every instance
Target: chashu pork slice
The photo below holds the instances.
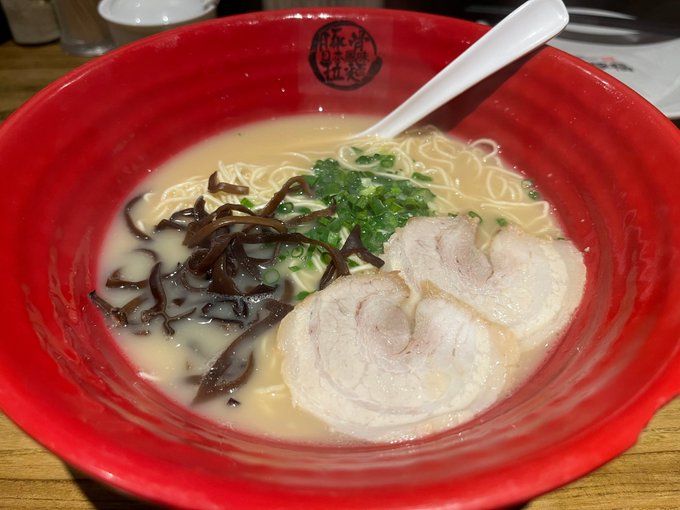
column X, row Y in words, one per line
column 379, row 362
column 528, row 284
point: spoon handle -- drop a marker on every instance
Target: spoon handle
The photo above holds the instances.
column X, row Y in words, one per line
column 529, row 26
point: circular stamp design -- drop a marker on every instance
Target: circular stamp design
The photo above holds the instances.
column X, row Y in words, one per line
column 344, row 55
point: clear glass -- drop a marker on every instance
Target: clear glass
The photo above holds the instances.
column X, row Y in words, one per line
column 31, row 21
column 83, row 31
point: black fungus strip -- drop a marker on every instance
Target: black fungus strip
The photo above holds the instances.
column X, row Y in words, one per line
column 218, row 259
column 297, row 238
column 287, row 295
column 259, row 293
column 222, row 281
column 166, row 224
column 222, row 211
column 239, row 308
column 132, row 306
column 219, row 380
column 203, row 219
column 199, row 209
column 201, row 260
column 158, row 293
column 214, row 186
column 278, row 197
column 312, row 216
column 228, row 209
column 182, row 214
column 194, row 379
column 233, row 366
column 160, row 306
column 328, row 276
column 352, row 246
column 250, row 265
column 114, row 281
column 139, row 234
column 119, row 317
column 183, row 279
column 240, row 304
column 196, row 238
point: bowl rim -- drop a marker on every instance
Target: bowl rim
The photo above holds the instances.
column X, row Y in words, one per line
column 106, row 465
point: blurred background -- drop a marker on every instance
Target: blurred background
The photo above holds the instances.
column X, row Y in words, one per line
column 636, row 41
column 663, row 11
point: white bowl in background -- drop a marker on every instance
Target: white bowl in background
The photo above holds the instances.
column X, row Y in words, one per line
column 130, row 20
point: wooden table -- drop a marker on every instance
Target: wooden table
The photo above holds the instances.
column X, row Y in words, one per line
column 647, row 476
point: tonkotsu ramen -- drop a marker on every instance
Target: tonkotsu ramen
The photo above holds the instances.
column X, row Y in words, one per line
column 287, row 280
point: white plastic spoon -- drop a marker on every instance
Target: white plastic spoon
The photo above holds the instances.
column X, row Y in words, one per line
column 526, row 28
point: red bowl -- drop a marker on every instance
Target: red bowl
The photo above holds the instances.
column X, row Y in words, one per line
column 603, row 156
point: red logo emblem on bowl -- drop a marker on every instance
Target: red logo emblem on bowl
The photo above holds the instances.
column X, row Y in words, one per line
column 344, row 55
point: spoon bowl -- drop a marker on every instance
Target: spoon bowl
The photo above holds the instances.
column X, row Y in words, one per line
column 526, row 28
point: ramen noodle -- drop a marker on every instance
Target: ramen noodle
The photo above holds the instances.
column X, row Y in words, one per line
column 429, row 186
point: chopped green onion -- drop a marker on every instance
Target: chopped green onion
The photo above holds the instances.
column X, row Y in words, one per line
column 381, row 160
column 387, row 161
column 285, row 208
column 271, row 276
column 473, row 214
column 247, row 203
column 334, row 239
column 335, row 225
column 421, row 177
column 375, row 201
column 364, row 160
column 502, row 222
column 376, row 206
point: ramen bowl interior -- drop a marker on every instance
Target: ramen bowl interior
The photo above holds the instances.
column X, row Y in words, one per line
column 595, row 149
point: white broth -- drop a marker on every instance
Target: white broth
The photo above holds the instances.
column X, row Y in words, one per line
column 466, row 178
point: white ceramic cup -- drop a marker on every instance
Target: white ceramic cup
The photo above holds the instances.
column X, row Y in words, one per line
column 130, row 20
